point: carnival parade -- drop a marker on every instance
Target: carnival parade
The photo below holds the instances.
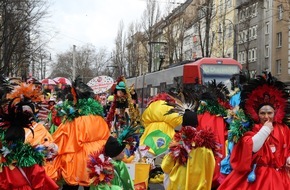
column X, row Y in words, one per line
column 179, row 95
column 207, row 136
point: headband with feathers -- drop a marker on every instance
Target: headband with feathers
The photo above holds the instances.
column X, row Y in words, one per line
column 266, row 91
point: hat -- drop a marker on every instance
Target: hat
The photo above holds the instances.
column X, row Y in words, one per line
column 189, row 118
column 266, row 91
column 121, row 86
column 52, row 99
column 113, row 148
column 110, row 98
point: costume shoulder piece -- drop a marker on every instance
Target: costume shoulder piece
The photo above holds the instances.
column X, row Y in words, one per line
column 214, row 99
column 189, row 138
column 82, row 102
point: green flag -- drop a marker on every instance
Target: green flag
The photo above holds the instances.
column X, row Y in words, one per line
column 157, row 141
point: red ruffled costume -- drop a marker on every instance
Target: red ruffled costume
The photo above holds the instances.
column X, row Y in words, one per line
column 217, row 125
column 12, row 179
column 271, row 173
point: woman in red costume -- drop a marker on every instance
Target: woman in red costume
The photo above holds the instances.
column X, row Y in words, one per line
column 261, row 157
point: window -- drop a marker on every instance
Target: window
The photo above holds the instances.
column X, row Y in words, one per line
column 250, row 55
column 229, row 3
column 278, row 66
column 221, row 6
column 255, row 32
column 230, row 30
column 280, row 12
column 267, row 4
column 255, row 9
column 279, row 39
column 254, row 54
column 267, row 51
column 267, row 28
column 250, row 33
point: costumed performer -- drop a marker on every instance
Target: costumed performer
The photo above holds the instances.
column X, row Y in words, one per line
column 190, row 162
column 121, row 113
column 21, row 164
column 37, row 134
column 83, row 130
column 234, row 115
column 158, row 126
column 213, row 108
column 261, row 157
column 115, row 149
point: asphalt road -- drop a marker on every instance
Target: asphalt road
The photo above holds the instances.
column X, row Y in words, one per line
column 158, row 186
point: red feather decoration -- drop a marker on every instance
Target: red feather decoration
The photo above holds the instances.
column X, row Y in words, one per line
column 266, row 94
column 189, row 138
column 101, row 170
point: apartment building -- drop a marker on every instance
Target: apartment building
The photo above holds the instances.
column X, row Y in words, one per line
column 280, row 47
column 224, row 27
column 263, row 37
column 255, row 32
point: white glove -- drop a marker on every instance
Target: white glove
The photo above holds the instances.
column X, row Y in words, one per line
column 260, row 137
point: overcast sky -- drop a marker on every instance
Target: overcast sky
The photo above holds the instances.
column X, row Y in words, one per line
column 78, row 22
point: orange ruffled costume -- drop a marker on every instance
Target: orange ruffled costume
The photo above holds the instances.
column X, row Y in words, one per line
column 39, row 135
column 76, row 140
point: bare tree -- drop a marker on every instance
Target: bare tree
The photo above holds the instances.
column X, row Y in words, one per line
column 118, row 54
column 19, row 24
column 101, row 61
column 149, row 18
column 177, row 22
column 40, row 60
column 205, row 33
column 134, row 51
column 89, row 63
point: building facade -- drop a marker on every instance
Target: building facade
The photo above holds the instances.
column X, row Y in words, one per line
column 254, row 32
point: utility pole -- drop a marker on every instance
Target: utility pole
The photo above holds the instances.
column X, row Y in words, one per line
column 74, row 63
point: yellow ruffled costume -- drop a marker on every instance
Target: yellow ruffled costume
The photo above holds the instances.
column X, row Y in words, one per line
column 195, row 175
column 153, row 119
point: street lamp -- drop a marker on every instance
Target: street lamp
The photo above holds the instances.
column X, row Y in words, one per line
column 158, row 52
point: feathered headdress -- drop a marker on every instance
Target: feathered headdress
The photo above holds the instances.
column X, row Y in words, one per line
column 80, row 90
column 114, row 146
column 15, row 118
column 185, row 104
column 162, row 96
column 266, row 91
column 185, row 99
column 26, row 91
column 214, row 99
column 80, row 103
